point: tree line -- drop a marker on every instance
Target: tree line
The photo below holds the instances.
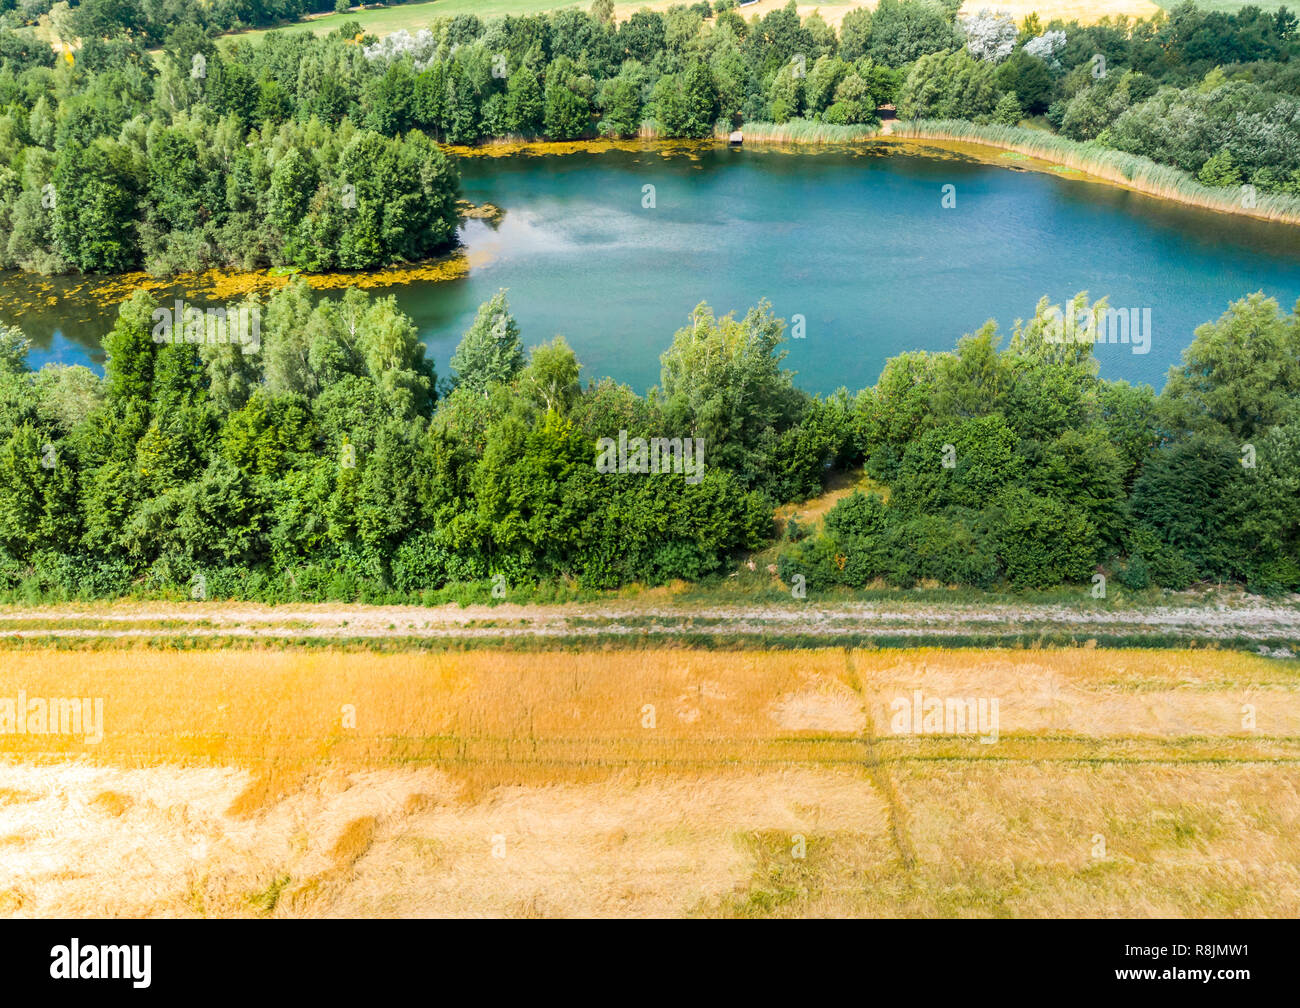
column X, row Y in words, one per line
column 301, row 151
column 329, row 462
column 1214, row 94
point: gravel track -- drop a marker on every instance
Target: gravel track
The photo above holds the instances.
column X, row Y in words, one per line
column 1249, row 620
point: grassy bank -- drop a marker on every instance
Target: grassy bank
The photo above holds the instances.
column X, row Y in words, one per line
column 1129, row 170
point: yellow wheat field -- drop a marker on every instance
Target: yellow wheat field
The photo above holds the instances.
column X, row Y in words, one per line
column 673, row 782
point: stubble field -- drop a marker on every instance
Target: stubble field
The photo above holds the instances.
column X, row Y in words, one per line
column 273, row 782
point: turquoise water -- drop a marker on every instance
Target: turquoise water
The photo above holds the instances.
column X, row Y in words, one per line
column 857, row 243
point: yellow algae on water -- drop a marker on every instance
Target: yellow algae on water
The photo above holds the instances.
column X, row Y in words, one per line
column 455, row 267
column 545, row 148
column 223, row 285
column 488, row 211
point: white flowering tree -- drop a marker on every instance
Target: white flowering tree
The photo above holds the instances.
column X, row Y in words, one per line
column 422, row 47
column 990, row 35
column 1046, row 47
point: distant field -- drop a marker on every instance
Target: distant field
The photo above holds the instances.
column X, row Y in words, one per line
column 268, row 782
column 414, row 16
column 1231, row 6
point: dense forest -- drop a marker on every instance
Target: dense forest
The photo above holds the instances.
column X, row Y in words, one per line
column 331, row 463
column 322, row 153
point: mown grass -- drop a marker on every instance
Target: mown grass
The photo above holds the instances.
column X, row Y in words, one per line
column 411, row 16
column 108, row 623
column 1131, row 170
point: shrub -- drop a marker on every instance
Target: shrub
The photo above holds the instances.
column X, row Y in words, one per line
column 1041, row 542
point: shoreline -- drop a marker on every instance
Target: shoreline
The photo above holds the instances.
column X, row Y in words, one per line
column 1080, row 164
column 1089, row 164
column 220, row 284
column 923, row 139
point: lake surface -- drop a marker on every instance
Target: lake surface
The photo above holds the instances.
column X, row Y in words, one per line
column 855, row 241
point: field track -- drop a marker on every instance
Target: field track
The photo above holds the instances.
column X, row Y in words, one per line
column 1249, row 624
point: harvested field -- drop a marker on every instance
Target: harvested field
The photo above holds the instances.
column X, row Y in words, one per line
column 270, row 782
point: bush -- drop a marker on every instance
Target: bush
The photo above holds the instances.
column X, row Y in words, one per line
column 428, row 560
column 951, row 549
column 1135, row 574
column 1008, row 112
column 1166, row 566
column 984, row 459
column 1277, row 576
column 814, row 559
column 1042, row 543
column 855, row 528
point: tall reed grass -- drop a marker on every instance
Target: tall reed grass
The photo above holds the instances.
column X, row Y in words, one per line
column 1132, row 170
column 802, row 131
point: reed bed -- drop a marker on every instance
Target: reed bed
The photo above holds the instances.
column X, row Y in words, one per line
column 1131, row 170
column 803, row 131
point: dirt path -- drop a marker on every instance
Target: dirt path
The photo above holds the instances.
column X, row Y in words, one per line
column 1274, row 626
